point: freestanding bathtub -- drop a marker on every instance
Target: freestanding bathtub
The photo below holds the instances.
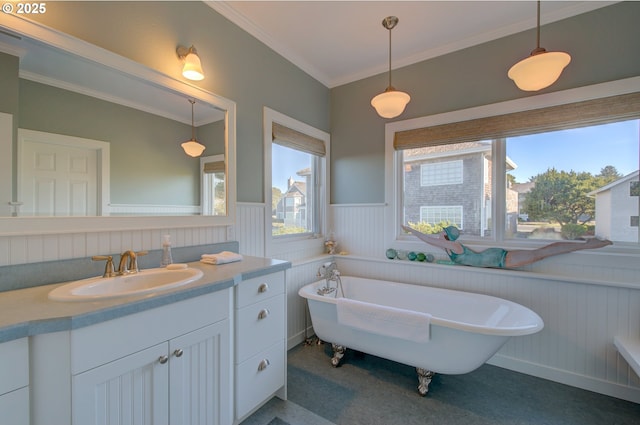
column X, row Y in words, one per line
column 462, row 331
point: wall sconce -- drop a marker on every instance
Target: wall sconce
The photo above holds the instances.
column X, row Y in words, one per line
column 541, row 68
column 391, row 102
column 192, row 147
column 192, row 68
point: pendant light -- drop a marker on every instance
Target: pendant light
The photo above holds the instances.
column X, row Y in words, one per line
column 541, row 68
column 192, row 147
column 391, row 102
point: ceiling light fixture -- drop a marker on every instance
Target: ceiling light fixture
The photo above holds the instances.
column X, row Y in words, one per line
column 391, row 102
column 192, row 68
column 541, row 68
column 192, row 147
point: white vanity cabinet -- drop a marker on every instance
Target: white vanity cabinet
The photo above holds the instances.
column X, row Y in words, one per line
column 168, row 365
column 14, row 382
column 260, row 342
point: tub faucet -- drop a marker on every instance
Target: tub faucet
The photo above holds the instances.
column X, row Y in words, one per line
column 329, row 272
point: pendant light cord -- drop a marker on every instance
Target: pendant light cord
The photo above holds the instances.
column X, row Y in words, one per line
column 193, row 128
column 538, row 28
column 390, row 57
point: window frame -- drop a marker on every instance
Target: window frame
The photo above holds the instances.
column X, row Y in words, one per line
column 394, row 236
column 270, row 117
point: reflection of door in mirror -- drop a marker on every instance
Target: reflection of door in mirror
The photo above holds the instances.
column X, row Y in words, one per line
column 61, row 175
column 214, row 187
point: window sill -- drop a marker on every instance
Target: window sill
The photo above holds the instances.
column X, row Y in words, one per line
column 557, row 277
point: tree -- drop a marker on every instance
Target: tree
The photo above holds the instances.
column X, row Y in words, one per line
column 608, row 174
column 276, row 195
column 561, row 196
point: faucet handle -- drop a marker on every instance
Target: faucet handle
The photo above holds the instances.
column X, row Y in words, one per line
column 108, row 268
column 133, row 260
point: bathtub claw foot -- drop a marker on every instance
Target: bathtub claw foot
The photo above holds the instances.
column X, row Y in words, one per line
column 424, row 379
column 338, row 354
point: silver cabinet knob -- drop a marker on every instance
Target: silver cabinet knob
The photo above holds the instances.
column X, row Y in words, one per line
column 263, row 314
column 178, row 352
column 263, row 364
column 263, row 288
column 163, row 359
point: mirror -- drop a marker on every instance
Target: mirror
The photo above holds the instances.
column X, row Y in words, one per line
column 131, row 120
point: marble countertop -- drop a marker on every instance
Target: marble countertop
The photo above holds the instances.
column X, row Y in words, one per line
column 29, row 311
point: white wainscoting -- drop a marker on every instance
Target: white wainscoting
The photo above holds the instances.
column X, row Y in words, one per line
column 22, row 249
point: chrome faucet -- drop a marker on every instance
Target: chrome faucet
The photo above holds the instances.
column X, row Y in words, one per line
column 329, row 272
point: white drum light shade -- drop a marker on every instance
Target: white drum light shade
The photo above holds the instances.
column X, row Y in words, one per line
column 390, row 103
column 539, row 70
column 193, row 148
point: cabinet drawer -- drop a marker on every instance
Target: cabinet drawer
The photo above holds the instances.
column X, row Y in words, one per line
column 14, row 367
column 258, row 378
column 258, row 326
column 259, row 288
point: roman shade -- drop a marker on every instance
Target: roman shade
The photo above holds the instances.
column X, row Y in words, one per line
column 213, row 167
column 559, row 117
column 294, row 139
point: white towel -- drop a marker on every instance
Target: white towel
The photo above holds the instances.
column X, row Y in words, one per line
column 383, row 320
column 221, row 257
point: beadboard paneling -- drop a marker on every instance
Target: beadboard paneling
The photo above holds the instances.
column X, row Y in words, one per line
column 249, row 228
column 358, row 229
column 50, row 247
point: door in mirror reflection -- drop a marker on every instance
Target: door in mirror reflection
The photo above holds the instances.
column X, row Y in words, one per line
column 59, row 175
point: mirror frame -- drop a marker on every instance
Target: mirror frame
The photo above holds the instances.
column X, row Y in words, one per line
column 56, row 225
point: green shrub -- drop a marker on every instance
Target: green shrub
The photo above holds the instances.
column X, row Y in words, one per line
column 573, row 231
column 429, row 229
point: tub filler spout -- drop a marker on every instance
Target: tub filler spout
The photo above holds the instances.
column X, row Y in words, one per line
column 330, row 273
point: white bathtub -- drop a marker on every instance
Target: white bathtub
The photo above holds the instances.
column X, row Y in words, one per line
column 466, row 329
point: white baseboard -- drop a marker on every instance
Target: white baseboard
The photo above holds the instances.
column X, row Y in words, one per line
column 567, row 378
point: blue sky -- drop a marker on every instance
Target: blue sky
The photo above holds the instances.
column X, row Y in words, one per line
column 291, row 161
column 583, row 149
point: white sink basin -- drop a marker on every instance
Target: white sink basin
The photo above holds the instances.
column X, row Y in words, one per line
column 143, row 282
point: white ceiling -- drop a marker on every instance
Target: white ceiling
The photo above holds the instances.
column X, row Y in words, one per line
column 338, row 42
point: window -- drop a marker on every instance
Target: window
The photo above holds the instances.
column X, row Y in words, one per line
column 442, row 214
column 214, row 188
column 564, row 171
column 441, row 173
column 296, row 180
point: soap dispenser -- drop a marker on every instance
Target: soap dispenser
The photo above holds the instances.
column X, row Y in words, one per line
column 166, row 251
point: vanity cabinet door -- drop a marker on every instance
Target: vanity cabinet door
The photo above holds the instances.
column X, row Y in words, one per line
column 14, row 381
column 199, row 376
column 133, row 390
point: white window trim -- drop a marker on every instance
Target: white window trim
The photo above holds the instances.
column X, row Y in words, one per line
column 269, row 117
column 393, row 164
